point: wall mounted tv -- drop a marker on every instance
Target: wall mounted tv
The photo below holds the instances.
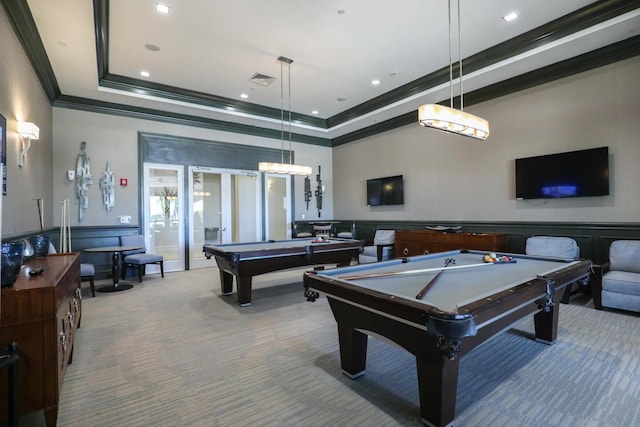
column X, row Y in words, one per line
column 385, row 191
column 582, row 173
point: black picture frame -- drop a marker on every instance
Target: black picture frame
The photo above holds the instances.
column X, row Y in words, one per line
column 3, row 152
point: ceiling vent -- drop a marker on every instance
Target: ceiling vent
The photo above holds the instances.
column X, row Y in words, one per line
column 261, row 79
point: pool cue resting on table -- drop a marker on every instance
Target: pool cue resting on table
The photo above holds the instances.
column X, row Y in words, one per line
column 428, row 286
column 407, row 272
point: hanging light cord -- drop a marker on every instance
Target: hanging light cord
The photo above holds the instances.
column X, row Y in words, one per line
column 281, row 115
column 460, row 58
column 450, row 60
column 289, row 94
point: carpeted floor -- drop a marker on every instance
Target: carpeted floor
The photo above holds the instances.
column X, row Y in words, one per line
column 174, row 352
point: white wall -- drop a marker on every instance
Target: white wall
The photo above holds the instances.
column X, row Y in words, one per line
column 115, row 138
column 448, row 177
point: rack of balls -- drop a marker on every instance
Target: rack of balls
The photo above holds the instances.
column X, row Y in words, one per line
column 495, row 259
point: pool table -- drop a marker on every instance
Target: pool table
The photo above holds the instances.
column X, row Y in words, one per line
column 466, row 304
column 245, row 260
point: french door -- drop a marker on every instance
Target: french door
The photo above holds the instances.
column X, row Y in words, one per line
column 278, row 205
column 224, row 207
column 164, row 197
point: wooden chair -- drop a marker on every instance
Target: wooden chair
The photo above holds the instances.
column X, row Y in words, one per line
column 138, row 258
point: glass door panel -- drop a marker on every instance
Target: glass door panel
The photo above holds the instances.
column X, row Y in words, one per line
column 224, row 208
column 278, row 206
column 163, row 207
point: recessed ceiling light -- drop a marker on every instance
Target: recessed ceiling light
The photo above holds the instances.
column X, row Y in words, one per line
column 162, row 8
column 314, row 112
column 375, row 82
column 510, row 16
column 144, row 73
column 244, row 96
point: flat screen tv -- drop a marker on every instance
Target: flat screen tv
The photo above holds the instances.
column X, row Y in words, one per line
column 385, row 191
column 582, row 173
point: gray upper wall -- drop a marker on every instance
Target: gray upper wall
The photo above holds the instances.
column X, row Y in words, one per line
column 452, row 178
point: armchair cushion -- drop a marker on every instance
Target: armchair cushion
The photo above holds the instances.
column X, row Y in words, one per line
column 624, row 255
column 560, row 247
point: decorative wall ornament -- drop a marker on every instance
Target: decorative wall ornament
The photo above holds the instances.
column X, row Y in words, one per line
column 319, row 192
column 83, row 180
column 307, row 190
column 108, row 185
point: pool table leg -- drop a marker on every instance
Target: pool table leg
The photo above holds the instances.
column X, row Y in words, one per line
column 438, row 386
column 546, row 324
column 353, row 351
column 226, row 282
column 244, row 290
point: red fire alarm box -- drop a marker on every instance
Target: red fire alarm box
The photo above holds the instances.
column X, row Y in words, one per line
column 123, row 182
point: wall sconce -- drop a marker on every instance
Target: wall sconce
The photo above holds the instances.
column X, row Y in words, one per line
column 28, row 132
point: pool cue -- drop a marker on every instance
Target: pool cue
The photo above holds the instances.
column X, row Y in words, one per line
column 408, row 272
column 428, row 285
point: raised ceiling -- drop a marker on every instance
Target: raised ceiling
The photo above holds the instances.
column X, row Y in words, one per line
column 201, row 56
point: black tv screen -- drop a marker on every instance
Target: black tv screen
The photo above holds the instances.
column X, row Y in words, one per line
column 385, row 191
column 582, row 173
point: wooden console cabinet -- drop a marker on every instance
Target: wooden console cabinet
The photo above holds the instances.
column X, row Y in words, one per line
column 41, row 313
column 419, row 242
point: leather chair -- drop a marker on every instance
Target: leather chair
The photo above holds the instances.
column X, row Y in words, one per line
column 617, row 283
column 382, row 249
column 138, row 258
column 557, row 247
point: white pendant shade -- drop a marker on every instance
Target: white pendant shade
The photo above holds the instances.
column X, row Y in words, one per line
column 454, row 121
column 284, row 168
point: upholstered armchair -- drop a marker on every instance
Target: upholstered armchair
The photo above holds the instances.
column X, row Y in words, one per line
column 557, row 247
column 382, row 249
column 617, row 283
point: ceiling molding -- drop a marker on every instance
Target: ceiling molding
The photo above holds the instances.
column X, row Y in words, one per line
column 600, row 57
column 102, row 107
column 25, row 29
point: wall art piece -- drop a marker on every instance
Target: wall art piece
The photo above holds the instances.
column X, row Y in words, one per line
column 108, row 185
column 83, row 180
column 319, row 191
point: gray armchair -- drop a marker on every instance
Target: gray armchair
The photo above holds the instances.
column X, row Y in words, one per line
column 617, row 283
column 557, row 247
column 383, row 247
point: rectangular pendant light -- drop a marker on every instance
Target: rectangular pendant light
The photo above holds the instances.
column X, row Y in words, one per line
column 284, row 168
column 453, row 121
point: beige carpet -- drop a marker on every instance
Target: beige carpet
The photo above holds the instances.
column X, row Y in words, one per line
column 174, row 352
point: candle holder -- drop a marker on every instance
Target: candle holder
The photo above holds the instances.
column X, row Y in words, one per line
column 40, row 244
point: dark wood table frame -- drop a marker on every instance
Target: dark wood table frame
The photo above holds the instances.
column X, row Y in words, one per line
column 436, row 338
column 244, row 264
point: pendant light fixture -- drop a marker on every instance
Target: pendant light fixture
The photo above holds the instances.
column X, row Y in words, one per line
column 449, row 119
column 284, row 168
